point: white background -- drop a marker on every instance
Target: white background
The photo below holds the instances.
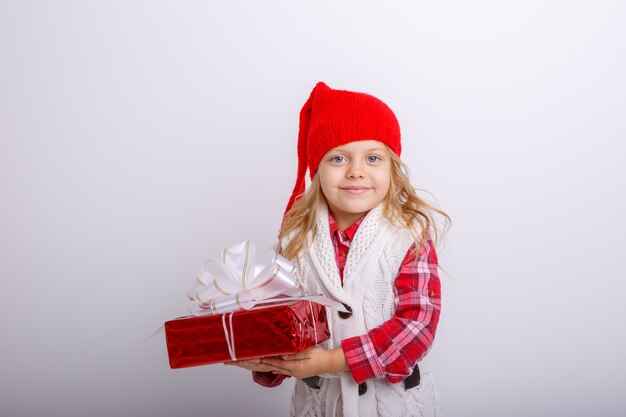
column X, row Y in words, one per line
column 139, row 138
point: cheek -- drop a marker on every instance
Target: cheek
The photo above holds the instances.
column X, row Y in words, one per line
column 325, row 185
column 328, row 179
column 323, row 180
column 384, row 182
column 384, row 189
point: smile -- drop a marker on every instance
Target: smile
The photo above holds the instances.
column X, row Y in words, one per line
column 355, row 190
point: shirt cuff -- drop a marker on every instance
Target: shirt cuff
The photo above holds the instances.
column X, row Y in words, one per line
column 362, row 358
column 268, row 379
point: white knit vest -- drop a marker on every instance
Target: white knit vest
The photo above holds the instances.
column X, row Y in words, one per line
column 375, row 256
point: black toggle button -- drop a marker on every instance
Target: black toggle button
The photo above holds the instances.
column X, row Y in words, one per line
column 345, row 315
column 412, row 380
column 362, row 388
column 313, row 381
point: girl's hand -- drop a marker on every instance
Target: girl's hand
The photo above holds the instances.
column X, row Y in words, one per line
column 310, row 362
column 251, row 365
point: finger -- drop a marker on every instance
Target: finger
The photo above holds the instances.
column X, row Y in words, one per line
column 235, row 363
column 285, row 369
column 282, row 371
column 305, row 354
column 246, row 365
column 295, row 356
column 276, row 362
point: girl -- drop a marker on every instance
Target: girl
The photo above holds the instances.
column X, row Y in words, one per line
column 360, row 235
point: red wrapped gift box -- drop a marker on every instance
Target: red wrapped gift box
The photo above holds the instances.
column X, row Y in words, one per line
column 266, row 331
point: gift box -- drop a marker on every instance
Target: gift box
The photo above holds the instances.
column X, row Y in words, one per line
column 263, row 331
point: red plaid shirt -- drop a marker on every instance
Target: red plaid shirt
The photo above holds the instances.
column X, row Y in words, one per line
column 391, row 350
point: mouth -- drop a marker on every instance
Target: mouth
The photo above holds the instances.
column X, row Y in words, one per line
column 355, row 189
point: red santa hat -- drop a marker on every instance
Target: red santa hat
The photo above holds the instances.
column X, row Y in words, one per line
column 332, row 118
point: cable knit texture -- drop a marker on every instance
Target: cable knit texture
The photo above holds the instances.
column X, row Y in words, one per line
column 373, row 262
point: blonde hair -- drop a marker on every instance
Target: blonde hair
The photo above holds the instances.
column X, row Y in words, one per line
column 402, row 207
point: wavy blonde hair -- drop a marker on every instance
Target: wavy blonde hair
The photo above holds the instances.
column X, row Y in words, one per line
column 402, row 207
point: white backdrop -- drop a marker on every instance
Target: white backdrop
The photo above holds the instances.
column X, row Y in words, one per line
column 139, row 138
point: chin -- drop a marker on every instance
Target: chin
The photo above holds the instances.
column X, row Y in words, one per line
column 358, row 210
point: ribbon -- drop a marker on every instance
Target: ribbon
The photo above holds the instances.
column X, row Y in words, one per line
column 230, row 335
column 239, row 282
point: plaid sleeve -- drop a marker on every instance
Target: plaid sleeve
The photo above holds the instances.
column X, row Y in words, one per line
column 268, row 379
column 391, row 350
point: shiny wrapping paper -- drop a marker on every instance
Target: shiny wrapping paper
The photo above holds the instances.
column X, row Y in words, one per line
column 266, row 331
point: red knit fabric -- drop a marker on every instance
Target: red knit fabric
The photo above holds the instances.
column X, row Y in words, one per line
column 332, row 118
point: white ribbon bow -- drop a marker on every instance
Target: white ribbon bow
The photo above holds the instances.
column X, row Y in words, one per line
column 239, row 282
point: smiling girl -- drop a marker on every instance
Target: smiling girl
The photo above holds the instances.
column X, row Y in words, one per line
column 360, row 235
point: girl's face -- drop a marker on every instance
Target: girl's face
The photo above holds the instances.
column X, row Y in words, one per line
column 355, row 177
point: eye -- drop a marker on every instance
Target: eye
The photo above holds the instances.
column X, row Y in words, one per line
column 373, row 159
column 338, row 159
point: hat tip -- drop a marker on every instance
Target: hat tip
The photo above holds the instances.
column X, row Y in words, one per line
column 321, row 84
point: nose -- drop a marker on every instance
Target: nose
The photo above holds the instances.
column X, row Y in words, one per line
column 355, row 170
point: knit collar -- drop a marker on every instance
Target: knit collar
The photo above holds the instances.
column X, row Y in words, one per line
column 346, row 235
column 322, row 251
